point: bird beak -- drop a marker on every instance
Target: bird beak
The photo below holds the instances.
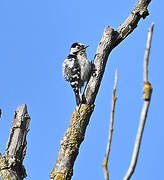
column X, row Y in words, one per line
column 83, row 48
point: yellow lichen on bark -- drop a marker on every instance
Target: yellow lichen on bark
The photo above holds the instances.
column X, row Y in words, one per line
column 59, row 176
column 5, row 173
column 62, row 176
column 73, row 130
column 71, row 141
column 147, row 91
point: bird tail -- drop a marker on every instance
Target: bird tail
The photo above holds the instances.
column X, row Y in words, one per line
column 78, row 97
column 77, row 92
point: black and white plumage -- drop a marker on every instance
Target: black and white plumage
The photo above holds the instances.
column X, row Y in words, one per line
column 77, row 69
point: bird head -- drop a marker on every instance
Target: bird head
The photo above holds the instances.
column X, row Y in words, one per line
column 77, row 47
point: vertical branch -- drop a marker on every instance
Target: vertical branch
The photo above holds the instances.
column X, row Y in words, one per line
column 147, row 53
column 146, row 98
column 114, row 98
column 11, row 163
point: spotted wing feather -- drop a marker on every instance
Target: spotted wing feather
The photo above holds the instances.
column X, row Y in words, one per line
column 71, row 72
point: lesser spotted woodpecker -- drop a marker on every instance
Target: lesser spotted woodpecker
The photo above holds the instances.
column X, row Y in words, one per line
column 77, row 69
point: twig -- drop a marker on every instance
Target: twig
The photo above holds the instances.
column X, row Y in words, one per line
column 147, row 53
column 75, row 133
column 146, row 98
column 114, row 98
column 11, row 163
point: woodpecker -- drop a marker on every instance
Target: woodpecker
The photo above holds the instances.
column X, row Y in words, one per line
column 77, row 69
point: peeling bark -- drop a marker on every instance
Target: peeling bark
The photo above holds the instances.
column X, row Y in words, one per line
column 11, row 163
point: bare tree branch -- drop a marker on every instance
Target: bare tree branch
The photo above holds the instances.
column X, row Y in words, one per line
column 147, row 98
column 147, row 53
column 75, row 133
column 114, row 98
column 108, row 42
column 11, row 163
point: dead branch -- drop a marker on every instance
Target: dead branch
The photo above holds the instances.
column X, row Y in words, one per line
column 114, row 98
column 146, row 98
column 11, row 163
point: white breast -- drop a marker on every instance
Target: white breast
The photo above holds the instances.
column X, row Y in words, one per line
column 85, row 66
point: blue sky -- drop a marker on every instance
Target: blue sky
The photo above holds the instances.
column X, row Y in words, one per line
column 35, row 37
